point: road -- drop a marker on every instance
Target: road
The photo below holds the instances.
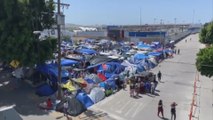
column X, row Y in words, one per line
column 178, row 75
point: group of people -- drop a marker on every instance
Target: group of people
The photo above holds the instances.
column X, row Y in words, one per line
column 137, row 86
column 173, row 109
column 177, row 51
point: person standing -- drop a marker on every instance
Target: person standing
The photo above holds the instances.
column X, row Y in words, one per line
column 160, row 108
column 159, row 76
column 173, row 110
column 178, row 52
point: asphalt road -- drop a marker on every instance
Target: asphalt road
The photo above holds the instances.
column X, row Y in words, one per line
column 178, row 75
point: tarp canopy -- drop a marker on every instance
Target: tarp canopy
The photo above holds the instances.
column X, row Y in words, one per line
column 75, row 107
column 86, row 51
column 52, row 71
column 139, row 56
column 68, row 62
column 45, row 90
column 97, row 60
column 155, row 53
column 96, row 94
column 144, row 46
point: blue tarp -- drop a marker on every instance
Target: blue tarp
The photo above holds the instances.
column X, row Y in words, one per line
column 86, row 51
column 139, row 56
column 155, row 53
column 111, row 83
column 68, row 62
column 84, row 99
column 52, row 71
column 45, row 90
column 111, row 68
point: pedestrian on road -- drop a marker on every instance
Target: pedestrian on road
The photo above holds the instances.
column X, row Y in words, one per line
column 160, row 108
column 131, row 86
column 173, row 110
column 159, row 76
column 178, row 51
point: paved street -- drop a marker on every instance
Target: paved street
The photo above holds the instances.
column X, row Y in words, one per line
column 178, row 75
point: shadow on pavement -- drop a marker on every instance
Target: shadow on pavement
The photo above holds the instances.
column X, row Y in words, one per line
column 22, row 96
column 91, row 115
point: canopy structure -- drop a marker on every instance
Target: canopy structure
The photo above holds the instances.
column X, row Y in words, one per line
column 68, row 62
column 86, row 51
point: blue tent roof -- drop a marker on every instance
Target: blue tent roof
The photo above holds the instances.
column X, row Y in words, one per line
column 52, row 70
column 155, row 53
column 86, row 51
column 68, row 62
column 45, row 90
column 140, row 56
column 84, row 99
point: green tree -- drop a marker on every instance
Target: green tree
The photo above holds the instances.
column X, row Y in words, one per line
column 206, row 35
column 17, row 23
column 204, row 61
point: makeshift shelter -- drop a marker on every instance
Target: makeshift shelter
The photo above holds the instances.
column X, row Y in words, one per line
column 75, row 107
column 51, row 71
column 96, row 94
column 84, row 99
column 45, row 90
column 68, row 62
column 69, row 86
column 93, row 77
column 86, row 51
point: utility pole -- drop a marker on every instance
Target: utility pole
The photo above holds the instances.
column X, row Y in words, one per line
column 60, row 21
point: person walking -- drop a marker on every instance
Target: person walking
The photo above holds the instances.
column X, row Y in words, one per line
column 131, row 86
column 160, row 108
column 173, row 110
column 178, row 52
column 159, row 76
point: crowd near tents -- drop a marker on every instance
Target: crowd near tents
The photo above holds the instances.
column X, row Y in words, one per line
column 95, row 70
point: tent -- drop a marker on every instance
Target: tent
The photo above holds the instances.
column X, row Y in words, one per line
column 98, row 60
column 86, row 51
column 144, row 46
column 96, row 94
column 139, row 56
column 75, row 107
column 51, row 71
column 84, row 99
column 68, row 62
column 93, row 77
column 45, row 90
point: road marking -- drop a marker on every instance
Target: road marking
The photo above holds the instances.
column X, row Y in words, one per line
column 139, row 107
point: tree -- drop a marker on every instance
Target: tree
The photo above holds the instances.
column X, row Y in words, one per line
column 18, row 20
column 206, row 35
column 204, row 61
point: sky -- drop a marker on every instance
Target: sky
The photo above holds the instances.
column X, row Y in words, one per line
column 136, row 12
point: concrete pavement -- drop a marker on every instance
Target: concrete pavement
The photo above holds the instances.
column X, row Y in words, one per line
column 178, row 75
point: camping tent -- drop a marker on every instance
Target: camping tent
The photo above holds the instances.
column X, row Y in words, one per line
column 84, row 99
column 75, row 107
column 96, row 94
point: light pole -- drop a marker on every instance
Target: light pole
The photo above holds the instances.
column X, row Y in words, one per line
column 60, row 21
column 59, row 51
